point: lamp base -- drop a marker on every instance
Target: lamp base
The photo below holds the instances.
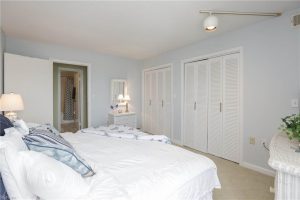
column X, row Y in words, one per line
column 127, row 110
column 12, row 116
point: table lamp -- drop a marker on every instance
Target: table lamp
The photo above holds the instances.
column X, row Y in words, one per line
column 120, row 97
column 10, row 103
column 126, row 99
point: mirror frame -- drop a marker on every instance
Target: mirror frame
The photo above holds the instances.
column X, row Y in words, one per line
column 112, row 90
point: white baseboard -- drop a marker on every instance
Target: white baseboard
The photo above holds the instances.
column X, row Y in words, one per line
column 258, row 168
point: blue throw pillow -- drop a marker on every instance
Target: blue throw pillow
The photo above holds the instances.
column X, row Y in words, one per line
column 4, row 124
column 46, row 136
column 3, row 193
column 58, row 148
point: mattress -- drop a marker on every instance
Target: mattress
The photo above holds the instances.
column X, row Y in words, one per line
column 142, row 170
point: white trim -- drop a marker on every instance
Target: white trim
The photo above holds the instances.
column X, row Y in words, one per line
column 241, row 68
column 209, row 56
column 258, row 169
column 168, row 65
column 60, row 121
column 157, row 67
column 213, row 55
column 89, row 83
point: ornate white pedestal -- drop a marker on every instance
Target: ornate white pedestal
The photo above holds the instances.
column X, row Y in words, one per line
column 286, row 162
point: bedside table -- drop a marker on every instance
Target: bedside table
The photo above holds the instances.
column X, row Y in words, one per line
column 125, row 118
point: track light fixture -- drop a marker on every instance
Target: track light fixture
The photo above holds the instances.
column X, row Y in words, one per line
column 211, row 22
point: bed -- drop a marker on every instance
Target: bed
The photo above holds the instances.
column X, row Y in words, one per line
column 135, row 169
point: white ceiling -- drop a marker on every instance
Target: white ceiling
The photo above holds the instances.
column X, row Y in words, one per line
column 136, row 30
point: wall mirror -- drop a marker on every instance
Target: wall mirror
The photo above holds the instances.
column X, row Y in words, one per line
column 118, row 87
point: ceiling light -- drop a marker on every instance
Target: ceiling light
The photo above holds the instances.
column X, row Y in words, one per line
column 210, row 23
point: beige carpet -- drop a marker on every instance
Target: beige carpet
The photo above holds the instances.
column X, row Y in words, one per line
column 239, row 183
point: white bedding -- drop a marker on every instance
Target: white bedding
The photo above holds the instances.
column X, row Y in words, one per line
column 142, row 170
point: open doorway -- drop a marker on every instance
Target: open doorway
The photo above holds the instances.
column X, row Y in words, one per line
column 70, row 97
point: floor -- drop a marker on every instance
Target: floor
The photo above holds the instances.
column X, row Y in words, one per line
column 70, row 127
column 239, row 183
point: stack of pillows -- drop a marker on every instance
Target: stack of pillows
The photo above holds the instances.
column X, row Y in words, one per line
column 37, row 163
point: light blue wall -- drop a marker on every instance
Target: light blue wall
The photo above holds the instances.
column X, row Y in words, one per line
column 104, row 68
column 271, row 78
column 1, row 51
column 2, row 46
column 299, row 53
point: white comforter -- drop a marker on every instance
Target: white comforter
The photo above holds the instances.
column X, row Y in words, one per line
column 142, row 170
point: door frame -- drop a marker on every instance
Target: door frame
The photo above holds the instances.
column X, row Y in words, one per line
column 209, row 56
column 89, row 84
column 59, row 94
column 147, row 69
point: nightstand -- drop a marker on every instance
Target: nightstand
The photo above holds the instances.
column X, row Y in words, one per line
column 125, row 118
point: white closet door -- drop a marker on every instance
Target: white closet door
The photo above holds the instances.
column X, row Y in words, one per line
column 200, row 136
column 215, row 138
column 154, row 104
column 32, row 78
column 160, row 99
column 147, row 102
column 231, row 99
column 189, row 105
column 167, row 102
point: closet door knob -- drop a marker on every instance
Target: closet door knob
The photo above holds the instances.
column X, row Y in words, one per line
column 195, row 105
column 221, row 107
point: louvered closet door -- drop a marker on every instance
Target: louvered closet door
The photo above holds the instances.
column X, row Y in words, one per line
column 231, row 99
column 200, row 135
column 160, row 99
column 147, row 102
column 215, row 138
column 189, row 105
column 166, row 104
column 154, row 104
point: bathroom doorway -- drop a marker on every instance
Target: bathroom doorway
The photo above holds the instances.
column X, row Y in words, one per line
column 70, row 97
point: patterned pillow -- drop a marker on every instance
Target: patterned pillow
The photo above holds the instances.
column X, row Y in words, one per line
column 48, row 127
column 45, row 137
column 4, row 124
column 58, row 148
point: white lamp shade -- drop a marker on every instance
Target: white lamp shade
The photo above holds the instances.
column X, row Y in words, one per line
column 210, row 23
column 127, row 98
column 11, row 102
column 120, row 97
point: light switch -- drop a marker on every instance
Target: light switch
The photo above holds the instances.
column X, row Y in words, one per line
column 294, row 103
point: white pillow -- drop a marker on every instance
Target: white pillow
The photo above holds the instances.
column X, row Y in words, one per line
column 8, row 179
column 12, row 137
column 51, row 179
column 12, row 172
column 21, row 126
column 32, row 125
